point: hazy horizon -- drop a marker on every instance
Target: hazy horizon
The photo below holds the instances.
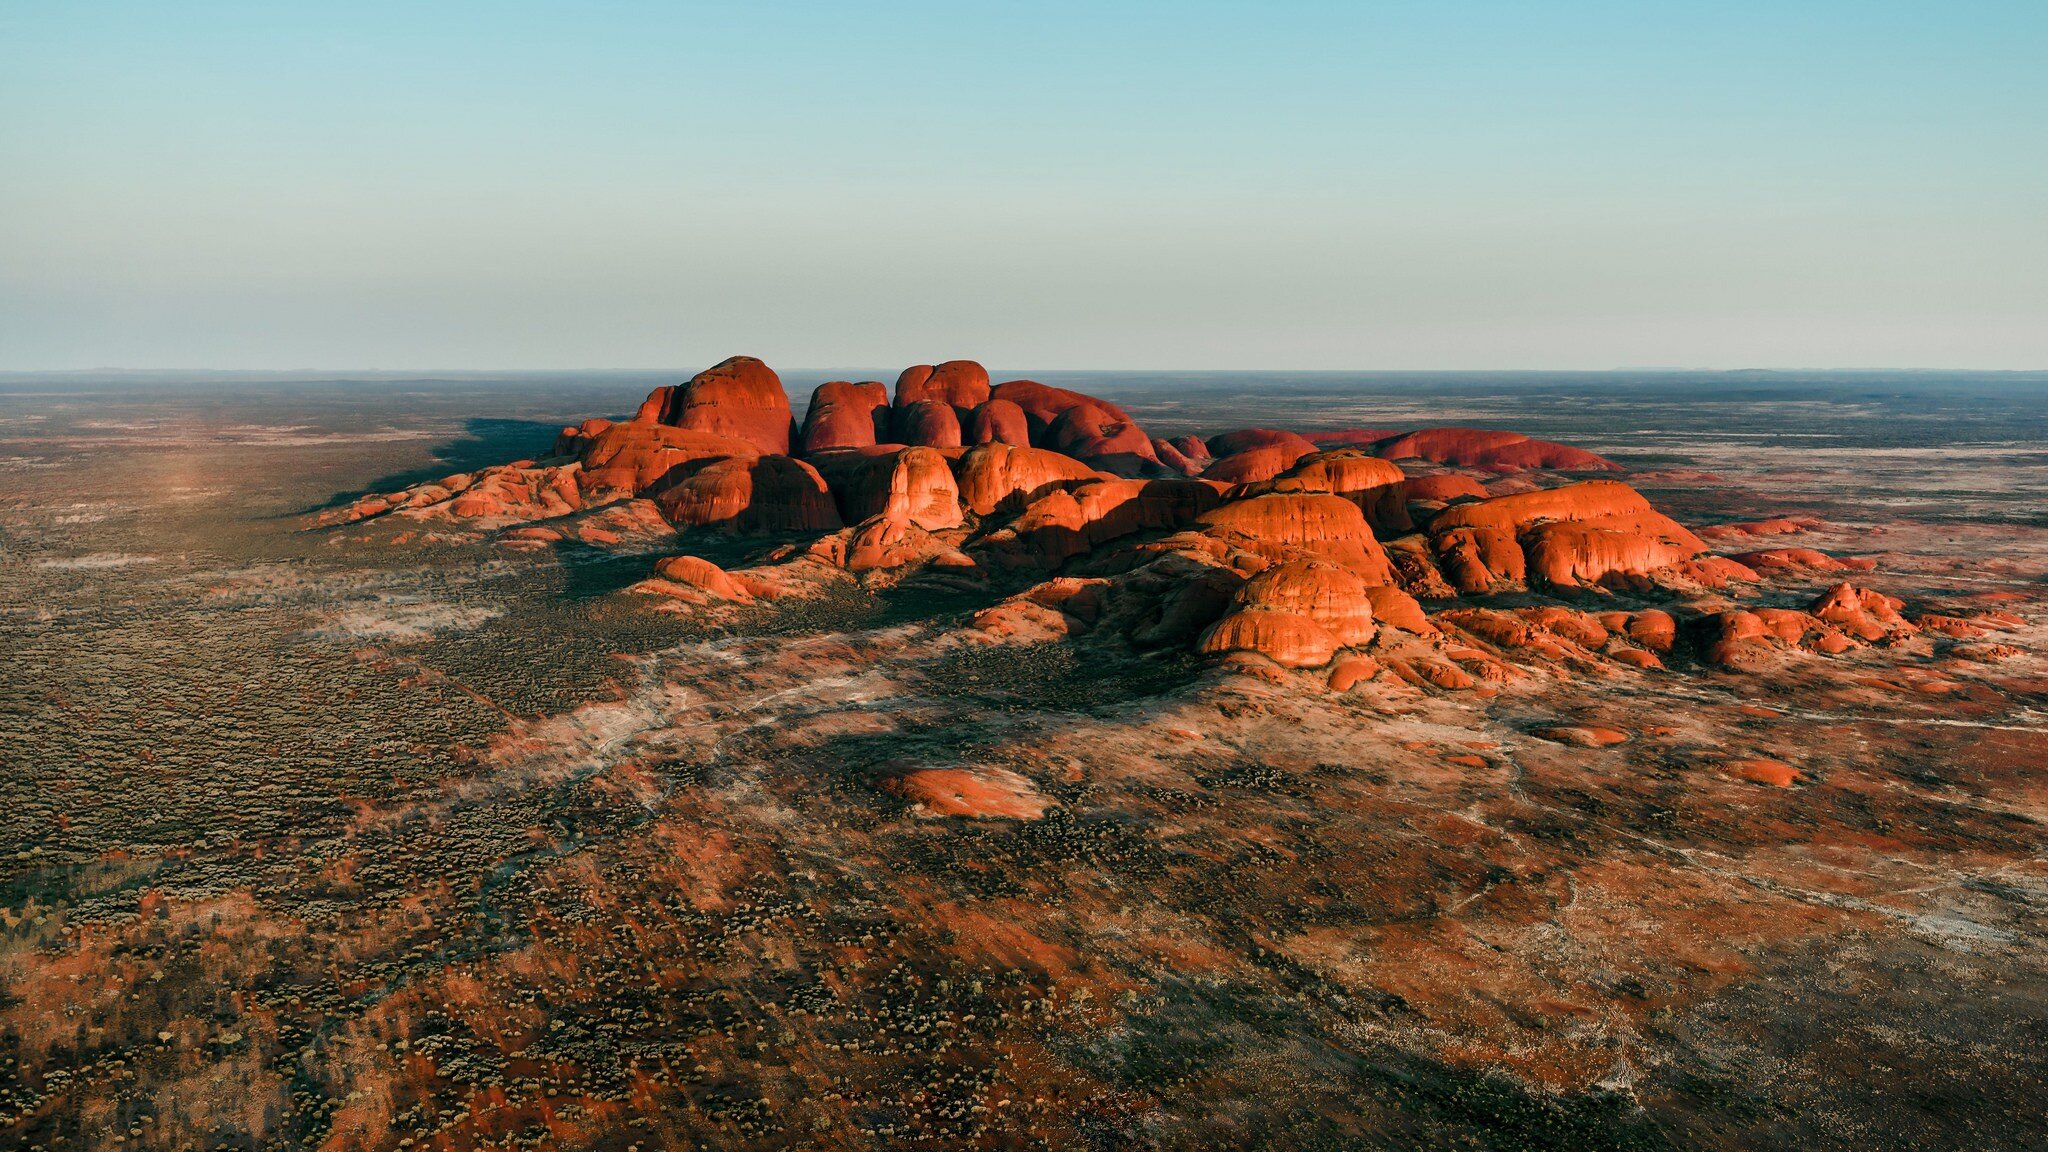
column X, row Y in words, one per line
column 1297, row 186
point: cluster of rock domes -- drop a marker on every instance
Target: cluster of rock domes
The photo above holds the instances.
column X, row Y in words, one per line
column 1257, row 544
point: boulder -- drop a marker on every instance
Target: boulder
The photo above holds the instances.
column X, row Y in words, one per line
column 997, row 476
column 997, row 422
column 741, row 398
column 960, row 384
column 843, row 414
column 928, row 423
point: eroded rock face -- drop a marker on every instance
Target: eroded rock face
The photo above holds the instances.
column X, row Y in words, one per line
column 751, row 494
column 927, row 423
column 740, row 398
column 960, row 384
column 1290, row 525
column 1081, row 426
column 1578, row 534
column 997, row 475
column 845, row 415
column 998, row 422
column 1377, row 486
column 632, row 457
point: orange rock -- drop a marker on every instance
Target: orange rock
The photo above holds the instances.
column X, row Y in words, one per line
column 1480, row 448
column 1285, row 638
column 1336, row 598
column 1775, row 773
column 741, row 398
column 1352, row 671
column 1094, row 433
column 1777, row 526
column 983, row 793
column 962, row 384
column 630, row 458
column 845, row 415
column 1254, row 464
column 1377, row 486
column 885, row 542
column 1394, row 608
column 912, row 484
column 1577, row 534
column 931, row 423
column 1799, row 560
column 1193, row 447
column 1582, row 736
column 1173, row 458
column 1653, row 629
column 1443, row 487
column 701, row 574
column 1247, row 439
column 751, row 494
column 1078, row 425
column 1284, row 525
column 995, row 476
column 998, row 422
column 1864, row 614
column 1070, row 521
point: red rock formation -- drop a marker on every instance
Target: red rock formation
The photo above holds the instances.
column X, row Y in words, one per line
column 1776, row 526
column 751, row 494
column 1773, row 560
column 962, row 384
column 1480, row 448
column 930, row 423
column 845, row 415
column 998, row 422
column 1578, row 534
column 1377, row 486
column 1443, row 487
column 1078, row 425
column 1262, row 462
column 1284, row 638
column 1081, row 517
column 1287, row 525
column 984, row 793
column 912, row 484
column 702, row 575
column 886, row 542
column 997, row 476
column 1094, row 433
column 632, row 457
column 1246, row 439
column 1336, row 598
column 741, row 398
column 1172, row 457
column 1864, row 614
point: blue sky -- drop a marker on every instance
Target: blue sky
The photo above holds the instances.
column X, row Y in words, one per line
column 1189, row 185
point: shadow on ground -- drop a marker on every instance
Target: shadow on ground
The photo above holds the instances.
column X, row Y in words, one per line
column 484, row 441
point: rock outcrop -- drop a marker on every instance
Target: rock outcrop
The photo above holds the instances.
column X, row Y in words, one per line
column 845, row 415
column 740, row 398
column 1265, row 549
column 1571, row 536
column 1483, row 448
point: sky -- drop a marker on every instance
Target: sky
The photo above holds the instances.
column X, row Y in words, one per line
column 1289, row 185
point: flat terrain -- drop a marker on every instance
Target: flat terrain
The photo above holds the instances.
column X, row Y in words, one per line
column 321, row 839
